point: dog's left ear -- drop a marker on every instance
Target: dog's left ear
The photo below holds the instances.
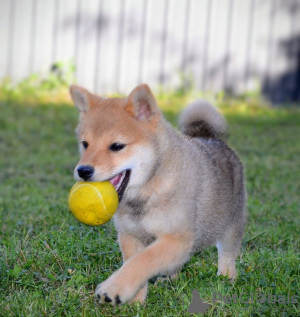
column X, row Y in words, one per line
column 141, row 104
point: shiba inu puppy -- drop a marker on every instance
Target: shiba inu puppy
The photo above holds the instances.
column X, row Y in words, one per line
column 178, row 192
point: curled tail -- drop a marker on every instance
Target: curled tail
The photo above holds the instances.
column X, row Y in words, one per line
column 201, row 119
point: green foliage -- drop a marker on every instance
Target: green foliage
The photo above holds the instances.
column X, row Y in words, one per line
column 40, row 88
column 50, row 264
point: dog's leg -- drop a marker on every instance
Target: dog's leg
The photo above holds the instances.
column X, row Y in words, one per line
column 129, row 246
column 166, row 253
column 226, row 264
column 228, row 250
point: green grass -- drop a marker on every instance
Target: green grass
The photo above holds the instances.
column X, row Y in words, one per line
column 50, row 264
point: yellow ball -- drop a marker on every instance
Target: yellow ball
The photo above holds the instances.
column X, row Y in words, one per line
column 93, row 203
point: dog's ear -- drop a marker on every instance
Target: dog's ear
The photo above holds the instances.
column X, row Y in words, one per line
column 141, row 104
column 82, row 98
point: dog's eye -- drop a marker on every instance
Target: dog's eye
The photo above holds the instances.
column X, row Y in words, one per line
column 85, row 144
column 116, row 147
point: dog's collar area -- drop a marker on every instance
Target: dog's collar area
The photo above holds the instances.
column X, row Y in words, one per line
column 120, row 181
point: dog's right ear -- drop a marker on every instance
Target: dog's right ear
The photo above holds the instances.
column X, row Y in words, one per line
column 82, row 98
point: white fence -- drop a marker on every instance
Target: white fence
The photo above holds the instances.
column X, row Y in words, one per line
column 116, row 44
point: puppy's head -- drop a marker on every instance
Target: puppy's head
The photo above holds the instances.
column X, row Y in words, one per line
column 117, row 137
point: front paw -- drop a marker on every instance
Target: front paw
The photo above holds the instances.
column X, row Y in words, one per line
column 107, row 292
column 114, row 291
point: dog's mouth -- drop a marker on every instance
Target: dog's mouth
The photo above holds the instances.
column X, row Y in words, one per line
column 120, row 181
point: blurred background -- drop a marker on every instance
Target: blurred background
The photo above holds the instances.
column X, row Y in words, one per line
column 110, row 46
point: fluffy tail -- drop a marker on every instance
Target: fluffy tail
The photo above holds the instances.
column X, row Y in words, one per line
column 201, row 119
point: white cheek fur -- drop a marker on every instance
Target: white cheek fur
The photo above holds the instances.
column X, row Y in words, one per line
column 140, row 164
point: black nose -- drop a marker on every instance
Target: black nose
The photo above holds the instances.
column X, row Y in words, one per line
column 85, row 171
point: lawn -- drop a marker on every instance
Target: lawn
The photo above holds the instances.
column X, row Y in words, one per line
column 50, row 264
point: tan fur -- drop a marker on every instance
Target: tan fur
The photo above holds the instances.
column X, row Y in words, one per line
column 185, row 192
column 129, row 247
column 144, row 264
